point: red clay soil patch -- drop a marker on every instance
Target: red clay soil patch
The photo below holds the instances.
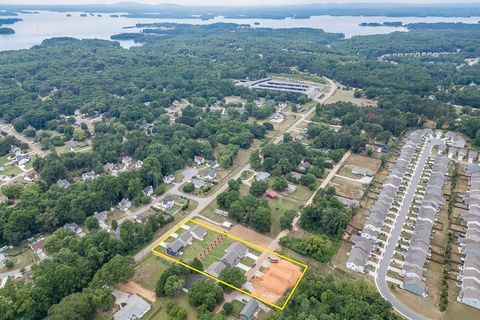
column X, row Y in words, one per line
column 276, row 280
column 134, row 288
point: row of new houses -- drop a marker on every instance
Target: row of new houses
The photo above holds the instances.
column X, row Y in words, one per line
column 470, row 155
column 419, row 244
column 363, row 245
column 469, row 244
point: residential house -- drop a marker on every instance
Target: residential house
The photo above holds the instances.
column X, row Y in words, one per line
column 216, row 268
column 124, row 205
column 72, row 144
column 75, row 228
column 87, row 176
column 127, row 161
column 168, row 203
column 198, row 184
column 248, row 312
column 37, row 248
column 31, row 176
column 415, row 285
column 234, row 254
column 63, row 183
column 212, row 164
column 148, row 191
column 222, row 213
column 101, row 218
column 199, row 160
column 362, row 172
column 15, row 150
column 304, row 165
column 192, row 279
column 109, row 167
column 21, row 159
column 262, row 176
column 198, row 232
column 210, row 176
column 169, row 179
column 176, row 247
column 138, row 164
column 132, row 307
column 295, row 176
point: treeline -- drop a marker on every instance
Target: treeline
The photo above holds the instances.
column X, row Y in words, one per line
column 79, row 277
column 330, row 298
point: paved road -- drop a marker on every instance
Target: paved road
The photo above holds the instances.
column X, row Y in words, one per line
column 381, row 274
column 9, row 130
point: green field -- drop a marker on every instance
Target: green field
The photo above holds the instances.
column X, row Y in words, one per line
column 149, row 270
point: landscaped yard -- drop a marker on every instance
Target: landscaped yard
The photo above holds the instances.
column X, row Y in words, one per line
column 21, row 259
column 237, row 307
column 158, row 311
column 279, row 206
column 217, row 253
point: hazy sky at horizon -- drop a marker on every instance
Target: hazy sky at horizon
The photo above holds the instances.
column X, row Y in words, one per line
column 231, row 2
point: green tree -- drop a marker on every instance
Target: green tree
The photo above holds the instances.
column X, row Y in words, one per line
column 258, row 188
column 205, row 293
column 233, row 275
column 173, row 285
column 91, row 223
column 280, row 184
column 188, row 187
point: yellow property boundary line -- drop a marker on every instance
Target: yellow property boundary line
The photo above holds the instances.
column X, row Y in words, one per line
column 221, row 281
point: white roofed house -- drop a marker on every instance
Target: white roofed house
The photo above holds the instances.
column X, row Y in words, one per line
column 198, row 232
column 72, row 144
column 169, row 179
column 101, row 218
column 127, row 161
column 21, row 159
column 87, row 176
column 75, row 228
column 167, row 203
column 262, row 176
column 63, row 183
column 124, row 205
column 198, row 160
column 472, row 156
column 132, row 307
column 210, row 176
column 138, row 164
column 461, row 154
column 198, row 184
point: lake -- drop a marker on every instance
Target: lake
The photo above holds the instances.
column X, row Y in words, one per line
column 37, row 27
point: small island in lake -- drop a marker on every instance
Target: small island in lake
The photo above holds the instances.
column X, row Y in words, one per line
column 83, row 15
column 7, row 31
column 69, row 15
column 114, row 16
column 384, row 24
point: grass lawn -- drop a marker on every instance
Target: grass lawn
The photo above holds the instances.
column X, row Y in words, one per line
column 20, row 260
column 10, row 170
column 346, row 172
column 237, row 307
column 217, row 253
column 117, row 215
column 158, row 311
column 29, row 164
column 149, row 270
column 197, row 246
column 248, row 261
column 171, row 211
column 302, row 193
column 279, row 206
column 4, row 159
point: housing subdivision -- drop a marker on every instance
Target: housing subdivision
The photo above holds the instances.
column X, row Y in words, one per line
column 395, row 243
column 368, row 246
column 469, row 244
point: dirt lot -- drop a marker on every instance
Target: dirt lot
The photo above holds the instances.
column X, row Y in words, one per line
column 347, row 96
column 276, row 280
column 347, row 188
column 356, row 160
column 250, row 236
column 134, row 288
